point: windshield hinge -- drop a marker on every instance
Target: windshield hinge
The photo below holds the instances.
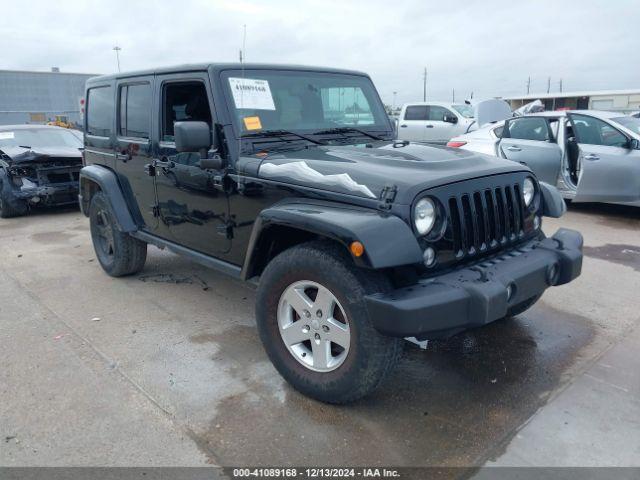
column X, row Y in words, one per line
column 387, row 196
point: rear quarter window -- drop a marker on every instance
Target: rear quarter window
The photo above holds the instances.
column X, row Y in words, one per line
column 100, row 106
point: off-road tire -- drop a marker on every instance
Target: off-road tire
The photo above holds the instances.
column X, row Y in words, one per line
column 523, row 306
column 370, row 356
column 123, row 254
column 16, row 208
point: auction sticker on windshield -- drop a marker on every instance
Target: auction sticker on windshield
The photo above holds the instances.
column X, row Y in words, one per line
column 251, row 93
column 6, row 135
column 252, row 123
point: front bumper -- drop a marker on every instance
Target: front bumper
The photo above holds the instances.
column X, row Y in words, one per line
column 479, row 294
column 54, row 194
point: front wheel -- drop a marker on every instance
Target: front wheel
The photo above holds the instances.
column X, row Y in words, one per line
column 314, row 325
column 119, row 253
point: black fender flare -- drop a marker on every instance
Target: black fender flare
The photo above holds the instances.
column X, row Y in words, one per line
column 553, row 204
column 388, row 241
column 107, row 180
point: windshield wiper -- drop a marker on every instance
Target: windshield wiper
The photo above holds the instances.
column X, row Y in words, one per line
column 281, row 133
column 347, row 130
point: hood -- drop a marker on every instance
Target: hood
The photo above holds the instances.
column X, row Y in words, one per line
column 22, row 155
column 366, row 171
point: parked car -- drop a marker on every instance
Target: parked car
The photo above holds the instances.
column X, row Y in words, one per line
column 434, row 122
column 354, row 240
column 591, row 156
column 39, row 165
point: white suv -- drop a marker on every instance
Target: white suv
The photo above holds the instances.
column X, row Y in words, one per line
column 435, row 122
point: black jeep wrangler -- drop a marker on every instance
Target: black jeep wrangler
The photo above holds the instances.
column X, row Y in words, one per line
column 290, row 178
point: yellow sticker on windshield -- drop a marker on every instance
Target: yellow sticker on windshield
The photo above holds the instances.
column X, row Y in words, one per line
column 252, row 123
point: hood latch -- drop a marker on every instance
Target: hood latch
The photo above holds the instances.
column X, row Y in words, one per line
column 387, row 196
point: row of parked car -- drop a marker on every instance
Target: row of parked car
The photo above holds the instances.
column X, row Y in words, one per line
column 590, row 156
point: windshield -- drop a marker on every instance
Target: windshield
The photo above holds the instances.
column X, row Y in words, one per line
column 39, row 138
column 464, row 110
column 631, row 123
column 308, row 102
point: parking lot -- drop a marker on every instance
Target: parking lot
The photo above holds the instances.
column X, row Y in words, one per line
column 166, row 368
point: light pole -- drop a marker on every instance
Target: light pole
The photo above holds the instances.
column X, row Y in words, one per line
column 393, row 106
column 117, row 50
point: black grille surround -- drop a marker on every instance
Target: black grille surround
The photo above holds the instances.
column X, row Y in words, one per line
column 484, row 216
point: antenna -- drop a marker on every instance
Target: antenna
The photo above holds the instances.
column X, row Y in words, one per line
column 242, row 57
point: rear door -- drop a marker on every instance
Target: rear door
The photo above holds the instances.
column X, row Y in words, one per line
column 610, row 170
column 133, row 144
column 412, row 125
column 529, row 141
column 100, row 125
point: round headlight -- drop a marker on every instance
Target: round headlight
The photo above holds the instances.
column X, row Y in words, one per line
column 424, row 216
column 528, row 190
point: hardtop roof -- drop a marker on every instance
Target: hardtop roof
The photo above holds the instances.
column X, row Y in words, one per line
column 201, row 67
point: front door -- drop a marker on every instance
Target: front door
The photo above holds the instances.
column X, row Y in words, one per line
column 191, row 205
column 133, row 145
column 437, row 130
column 529, row 141
column 609, row 168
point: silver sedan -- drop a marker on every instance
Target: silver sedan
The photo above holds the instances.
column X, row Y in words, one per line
column 591, row 156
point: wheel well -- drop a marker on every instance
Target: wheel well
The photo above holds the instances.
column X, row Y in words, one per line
column 88, row 189
column 276, row 239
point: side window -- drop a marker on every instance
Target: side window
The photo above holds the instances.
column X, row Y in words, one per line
column 100, row 111
column 182, row 102
column 437, row 113
column 527, row 128
column 416, row 112
column 135, row 110
column 594, row 131
column 498, row 131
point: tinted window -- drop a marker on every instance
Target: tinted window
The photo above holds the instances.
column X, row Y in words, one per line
column 528, row 129
column 632, row 123
column 416, row 112
column 184, row 101
column 437, row 113
column 594, row 131
column 100, row 111
column 135, row 110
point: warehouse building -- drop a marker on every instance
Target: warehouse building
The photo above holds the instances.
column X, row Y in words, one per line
column 624, row 101
column 41, row 97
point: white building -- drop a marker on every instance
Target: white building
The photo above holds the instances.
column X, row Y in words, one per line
column 613, row 100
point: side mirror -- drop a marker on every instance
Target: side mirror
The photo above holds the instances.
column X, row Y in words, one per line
column 192, row 136
column 634, row 144
column 450, row 119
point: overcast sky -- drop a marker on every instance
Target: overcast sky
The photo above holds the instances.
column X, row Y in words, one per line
column 488, row 47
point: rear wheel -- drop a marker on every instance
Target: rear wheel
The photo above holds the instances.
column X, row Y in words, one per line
column 119, row 253
column 314, row 325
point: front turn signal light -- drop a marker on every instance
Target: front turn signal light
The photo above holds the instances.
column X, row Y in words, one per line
column 356, row 248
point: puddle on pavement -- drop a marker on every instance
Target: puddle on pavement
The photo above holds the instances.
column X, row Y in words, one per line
column 451, row 405
column 52, row 237
column 627, row 255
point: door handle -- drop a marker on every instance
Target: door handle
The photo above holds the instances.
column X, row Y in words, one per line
column 429, row 126
column 124, row 156
column 591, row 157
column 513, row 148
column 403, row 126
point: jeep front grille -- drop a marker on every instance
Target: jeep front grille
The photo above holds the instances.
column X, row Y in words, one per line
column 486, row 219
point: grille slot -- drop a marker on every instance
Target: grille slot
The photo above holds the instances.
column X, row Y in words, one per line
column 485, row 219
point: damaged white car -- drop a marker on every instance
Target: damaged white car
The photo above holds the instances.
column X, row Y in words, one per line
column 590, row 156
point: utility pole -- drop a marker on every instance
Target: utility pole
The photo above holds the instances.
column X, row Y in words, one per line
column 560, row 82
column 424, row 85
column 117, row 50
column 528, row 85
column 453, row 95
column 548, row 84
column 393, row 106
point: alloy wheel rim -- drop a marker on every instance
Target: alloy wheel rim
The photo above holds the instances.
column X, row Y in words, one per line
column 313, row 326
column 104, row 233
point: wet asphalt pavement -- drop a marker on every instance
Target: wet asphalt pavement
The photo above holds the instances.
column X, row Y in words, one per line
column 167, row 369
